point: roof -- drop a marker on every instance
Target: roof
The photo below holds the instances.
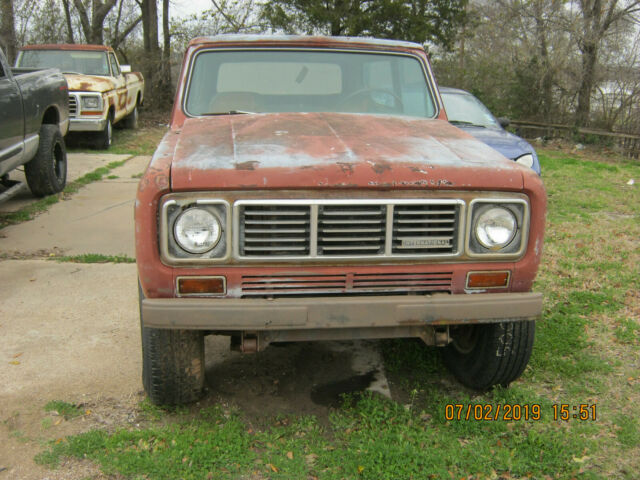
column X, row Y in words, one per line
column 303, row 39
column 67, row 46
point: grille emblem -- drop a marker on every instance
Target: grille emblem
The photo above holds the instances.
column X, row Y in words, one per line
column 425, row 242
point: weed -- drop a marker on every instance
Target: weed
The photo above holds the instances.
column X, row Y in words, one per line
column 95, row 258
column 64, row 409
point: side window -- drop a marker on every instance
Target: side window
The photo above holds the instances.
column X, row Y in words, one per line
column 115, row 68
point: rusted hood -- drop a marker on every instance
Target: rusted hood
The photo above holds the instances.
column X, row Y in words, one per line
column 326, row 150
column 89, row 83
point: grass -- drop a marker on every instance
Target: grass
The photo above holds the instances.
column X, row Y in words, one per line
column 64, row 409
column 95, row 258
column 586, row 352
column 142, row 141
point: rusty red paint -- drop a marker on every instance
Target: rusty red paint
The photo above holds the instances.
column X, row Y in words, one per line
column 318, row 152
column 68, row 46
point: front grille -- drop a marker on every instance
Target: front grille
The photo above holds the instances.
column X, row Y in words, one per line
column 352, row 230
column 345, row 284
column 73, row 106
column 277, row 229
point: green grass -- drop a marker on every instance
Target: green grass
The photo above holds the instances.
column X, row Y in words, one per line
column 586, row 352
column 142, row 141
column 95, row 258
column 64, row 409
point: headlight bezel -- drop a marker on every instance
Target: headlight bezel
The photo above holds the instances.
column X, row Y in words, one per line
column 99, row 107
column 516, row 247
column 171, row 253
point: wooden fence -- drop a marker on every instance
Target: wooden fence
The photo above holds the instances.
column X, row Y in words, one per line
column 628, row 143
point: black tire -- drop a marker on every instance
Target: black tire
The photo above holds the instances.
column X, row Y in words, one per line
column 105, row 137
column 172, row 364
column 482, row 356
column 131, row 120
column 47, row 172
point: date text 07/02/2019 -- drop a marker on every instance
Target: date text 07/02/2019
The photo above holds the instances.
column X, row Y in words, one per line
column 517, row 412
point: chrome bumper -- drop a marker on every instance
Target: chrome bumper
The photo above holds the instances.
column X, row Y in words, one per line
column 87, row 124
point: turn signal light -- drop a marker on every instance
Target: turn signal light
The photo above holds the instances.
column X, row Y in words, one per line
column 488, row 279
column 201, row 286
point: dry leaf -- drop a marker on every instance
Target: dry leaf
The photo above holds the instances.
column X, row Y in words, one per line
column 360, row 469
column 58, row 422
column 88, row 412
column 290, row 455
column 14, row 362
column 273, row 468
column 581, row 459
column 20, row 354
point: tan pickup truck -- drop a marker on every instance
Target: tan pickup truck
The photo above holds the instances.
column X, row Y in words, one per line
column 101, row 92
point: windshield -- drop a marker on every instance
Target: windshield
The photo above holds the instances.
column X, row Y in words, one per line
column 466, row 109
column 307, row 81
column 68, row 61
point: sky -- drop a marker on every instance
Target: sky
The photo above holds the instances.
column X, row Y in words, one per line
column 184, row 8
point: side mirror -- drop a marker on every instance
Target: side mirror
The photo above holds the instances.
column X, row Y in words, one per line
column 125, row 68
column 504, row 122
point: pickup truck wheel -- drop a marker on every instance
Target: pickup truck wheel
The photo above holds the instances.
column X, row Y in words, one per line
column 482, row 356
column 172, row 364
column 47, row 172
column 131, row 120
column 105, row 137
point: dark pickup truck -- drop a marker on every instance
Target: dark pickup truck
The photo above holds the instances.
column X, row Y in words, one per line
column 34, row 119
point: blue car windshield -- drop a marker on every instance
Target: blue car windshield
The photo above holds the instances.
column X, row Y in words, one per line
column 466, row 109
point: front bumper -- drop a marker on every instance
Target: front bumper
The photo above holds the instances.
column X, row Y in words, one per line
column 319, row 313
column 87, row 124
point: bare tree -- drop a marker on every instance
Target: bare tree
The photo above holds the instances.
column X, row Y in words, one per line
column 597, row 18
column 7, row 29
column 93, row 28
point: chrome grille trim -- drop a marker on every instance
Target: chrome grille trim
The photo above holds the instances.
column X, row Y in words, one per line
column 73, row 105
column 276, row 230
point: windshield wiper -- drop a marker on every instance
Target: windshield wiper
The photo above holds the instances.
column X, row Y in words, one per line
column 462, row 122
column 230, row 112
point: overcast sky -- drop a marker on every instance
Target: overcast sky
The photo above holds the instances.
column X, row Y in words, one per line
column 184, row 8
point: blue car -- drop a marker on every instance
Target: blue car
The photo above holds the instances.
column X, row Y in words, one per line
column 468, row 113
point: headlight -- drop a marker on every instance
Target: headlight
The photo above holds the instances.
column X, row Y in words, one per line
column 196, row 230
column 526, row 160
column 92, row 102
column 495, row 228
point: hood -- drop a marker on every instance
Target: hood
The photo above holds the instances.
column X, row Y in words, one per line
column 333, row 150
column 506, row 143
column 89, row 83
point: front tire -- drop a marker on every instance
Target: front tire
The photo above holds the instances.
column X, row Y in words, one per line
column 172, row 364
column 105, row 137
column 47, row 172
column 131, row 120
column 484, row 355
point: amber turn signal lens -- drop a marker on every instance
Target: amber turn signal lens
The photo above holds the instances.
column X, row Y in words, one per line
column 488, row 279
column 201, row 286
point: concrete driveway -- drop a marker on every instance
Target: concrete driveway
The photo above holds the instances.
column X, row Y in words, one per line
column 70, row 332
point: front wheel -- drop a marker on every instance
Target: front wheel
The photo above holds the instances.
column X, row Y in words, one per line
column 484, row 355
column 47, row 172
column 105, row 137
column 172, row 364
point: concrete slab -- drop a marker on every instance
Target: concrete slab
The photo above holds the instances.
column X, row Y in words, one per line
column 78, row 164
column 97, row 219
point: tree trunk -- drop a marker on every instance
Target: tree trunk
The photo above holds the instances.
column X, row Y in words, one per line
column 67, row 14
column 587, row 82
column 8, row 31
column 93, row 29
column 152, row 65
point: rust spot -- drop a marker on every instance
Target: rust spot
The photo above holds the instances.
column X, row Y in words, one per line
column 250, row 165
column 346, row 167
column 381, row 167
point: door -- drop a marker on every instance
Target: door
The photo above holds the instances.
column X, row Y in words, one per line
column 11, row 116
column 121, row 87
